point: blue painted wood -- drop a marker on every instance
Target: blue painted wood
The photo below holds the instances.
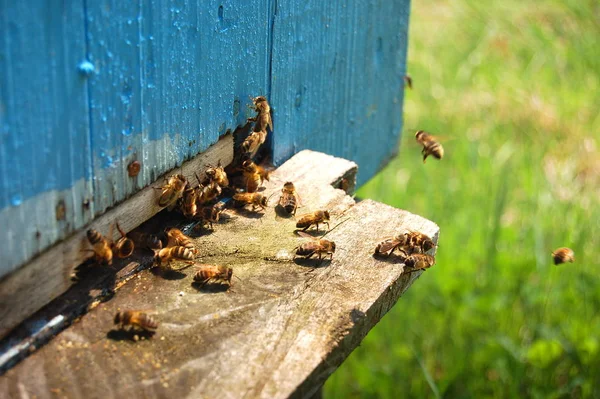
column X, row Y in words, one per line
column 171, row 77
column 337, row 79
column 44, row 134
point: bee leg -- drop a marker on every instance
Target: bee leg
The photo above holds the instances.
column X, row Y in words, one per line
column 317, row 226
column 327, row 223
column 306, row 228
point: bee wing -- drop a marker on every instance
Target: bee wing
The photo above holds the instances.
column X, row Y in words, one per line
column 387, row 245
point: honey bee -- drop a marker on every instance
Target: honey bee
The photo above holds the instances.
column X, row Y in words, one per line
column 563, row 255
column 164, row 256
column 263, row 119
column 318, row 247
column 419, row 261
column 103, row 253
column 254, row 175
column 313, row 218
column 211, row 214
column 188, row 203
column 124, row 246
column 419, row 242
column 135, row 320
column 430, row 145
column 208, row 193
column 172, row 191
column 254, row 141
column 289, row 198
column 143, row 240
column 407, row 243
column 217, row 174
column 176, row 238
column 254, row 199
column 389, row 245
column 408, row 81
column 213, row 275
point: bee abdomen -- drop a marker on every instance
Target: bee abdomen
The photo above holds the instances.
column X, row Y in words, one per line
column 148, row 322
column 94, row 237
column 182, row 253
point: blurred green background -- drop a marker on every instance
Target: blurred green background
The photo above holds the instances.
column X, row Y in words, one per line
column 515, row 87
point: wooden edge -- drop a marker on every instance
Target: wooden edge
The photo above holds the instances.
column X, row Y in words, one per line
column 47, row 276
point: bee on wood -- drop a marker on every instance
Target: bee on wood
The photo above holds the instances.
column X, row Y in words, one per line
column 176, row 238
column 103, row 253
column 408, row 81
column 315, row 247
column 563, row 255
column 213, row 275
column 208, row 193
column 389, row 245
column 188, row 202
column 418, row 242
column 263, row 119
column 254, row 199
column 211, row 214
column 164, row 256
column 419, row 261
column 135, row 320
column 254, row 175
column 289, row 198
column 172, row 191
column 430, row 145
column 252, row 143
column 124, row 246
column 143, row 240
column 313, row 218
column 217, row 174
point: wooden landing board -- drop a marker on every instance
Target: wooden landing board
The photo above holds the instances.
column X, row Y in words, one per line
column 47, row 276
column 280, row 331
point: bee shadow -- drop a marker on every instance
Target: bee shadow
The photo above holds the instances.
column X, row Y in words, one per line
column 257, row 214
column 282, row 213
column 311, row 232
column 392, row 258
column 89, row 269
column 168, row 274
column 210, row 288
column 312, row 262
column 128, row 335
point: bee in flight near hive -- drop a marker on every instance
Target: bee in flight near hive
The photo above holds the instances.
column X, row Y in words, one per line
column 254, row 199
column 163, row 257
column 144, row 240
column 217, row 174
column 135, row 320
column 563, row 255
column 419, row 261
column 318, row 247
column 254, row 175
column 213, row 275
column 289, row 199
column 408, row 81
column 176, row 238
column 103, row 253
column 313, row 218
column 172, row 191
column 430, row 145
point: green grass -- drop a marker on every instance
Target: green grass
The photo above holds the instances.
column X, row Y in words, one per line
column 516, row 85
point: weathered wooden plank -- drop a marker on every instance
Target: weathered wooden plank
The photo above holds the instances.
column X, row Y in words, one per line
column 29, row 288
column 337, row 79
column 172, row 76
column 281, row 329
column 45, row 161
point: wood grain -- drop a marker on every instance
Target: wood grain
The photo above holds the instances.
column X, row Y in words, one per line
column 34, row 285
column 280, row 331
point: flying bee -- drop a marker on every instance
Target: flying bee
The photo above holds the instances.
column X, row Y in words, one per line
column 289, row 198
column 418, row 241
column 430, row 145
column 563, row 255
column 213, row 275
column 211, row 214
column 419, row 261
column 313, row 218
column 263, row 119
column 217, row 174
column 176, row 238
column 124, row 246
column 164, row 256
column 254, row 199
column 254, row 175
column 408, row 81
column 208, row 193
column 188, row 202
column 172, row 191
column 103, row 253
column 135, row 320
column 143, row 240
column 254, row 141
column 389, row 245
